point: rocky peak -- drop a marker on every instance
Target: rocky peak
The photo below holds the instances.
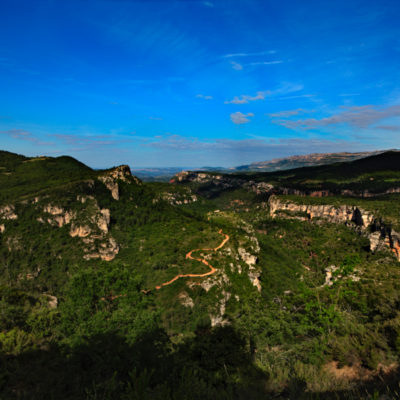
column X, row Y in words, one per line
column 111, row 178
column 121, row 172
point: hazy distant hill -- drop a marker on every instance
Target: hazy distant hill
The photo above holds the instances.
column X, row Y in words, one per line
column 277, row 164
column 308, row 160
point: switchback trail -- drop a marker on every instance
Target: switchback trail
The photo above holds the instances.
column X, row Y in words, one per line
column 202, row 260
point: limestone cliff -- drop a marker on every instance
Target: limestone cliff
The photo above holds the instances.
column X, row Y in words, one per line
column 379, row 233
column 90, row 224
column 111, row 178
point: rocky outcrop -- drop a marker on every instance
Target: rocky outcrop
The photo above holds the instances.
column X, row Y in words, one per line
column 379, row 233
column 186, row 300
column 177, row 199
column 58, row 216
column 111, row 178
column 8, row 212
column 335, row 214
column 342, row 192
column 251, row 260
column 80, row 231
column 2, row 228
column 52, row 301
column 90, row 224
column 106, row 250
column 217, row 319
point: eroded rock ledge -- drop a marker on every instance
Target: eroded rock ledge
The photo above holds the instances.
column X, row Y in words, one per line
column 379, row 233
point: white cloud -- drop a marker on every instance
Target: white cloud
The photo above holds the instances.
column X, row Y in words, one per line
column 236, row 66
column 205, row 97
column 239, row 118
column 244, row 98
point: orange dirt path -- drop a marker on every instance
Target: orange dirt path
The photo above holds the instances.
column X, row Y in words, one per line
column 202, row 260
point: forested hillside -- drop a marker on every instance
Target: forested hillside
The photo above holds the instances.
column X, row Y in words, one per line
column 214, row 286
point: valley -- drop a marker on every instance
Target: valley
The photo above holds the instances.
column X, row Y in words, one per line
column 253, row 285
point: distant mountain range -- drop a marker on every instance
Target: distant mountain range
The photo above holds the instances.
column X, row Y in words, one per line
column 277, row 164
column 308, row 160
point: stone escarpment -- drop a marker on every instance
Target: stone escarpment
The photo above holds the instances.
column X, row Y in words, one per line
column 379, row 233
column 342, row 192
column 221, row 182
column 111, row 178
column 226, row 181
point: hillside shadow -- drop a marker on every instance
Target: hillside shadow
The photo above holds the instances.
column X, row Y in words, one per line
column 214, row 364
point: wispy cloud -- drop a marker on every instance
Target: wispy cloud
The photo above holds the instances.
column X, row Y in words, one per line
column 289, row 113
column 239, row 66
column 266, row 62
column 27, row 136
column 88, row 142
column 391, row 128
column 300, row 96
column 349, row 94
column 239, row 118
column 284, row 88
column 255, row 148
column 208, row 4
column 260, row 53
column 244, row 98
column 236, row 66
column 358, row 116
column 205, row 97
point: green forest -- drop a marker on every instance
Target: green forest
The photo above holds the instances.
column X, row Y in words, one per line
column 299, row 306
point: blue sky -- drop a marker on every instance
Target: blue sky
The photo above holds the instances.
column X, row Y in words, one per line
column 198, row 83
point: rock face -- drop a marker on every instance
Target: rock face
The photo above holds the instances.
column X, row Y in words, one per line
column 52, row 301
column 8, row 212
column 58, row 216
column 218, row 319
column 186, row 300
column 90, row 223
column 111, row 178
column 2, row 228
column 335, row 214
column 177, row 199
column 251, row 260
column 379, row 233
column 325, row 193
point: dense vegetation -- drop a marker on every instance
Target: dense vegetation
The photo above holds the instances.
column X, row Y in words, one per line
column 111, row 335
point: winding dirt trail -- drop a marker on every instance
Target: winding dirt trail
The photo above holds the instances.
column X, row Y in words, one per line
column 202, row 260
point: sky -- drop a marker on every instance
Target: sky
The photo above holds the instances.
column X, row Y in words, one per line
column 196, row 83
